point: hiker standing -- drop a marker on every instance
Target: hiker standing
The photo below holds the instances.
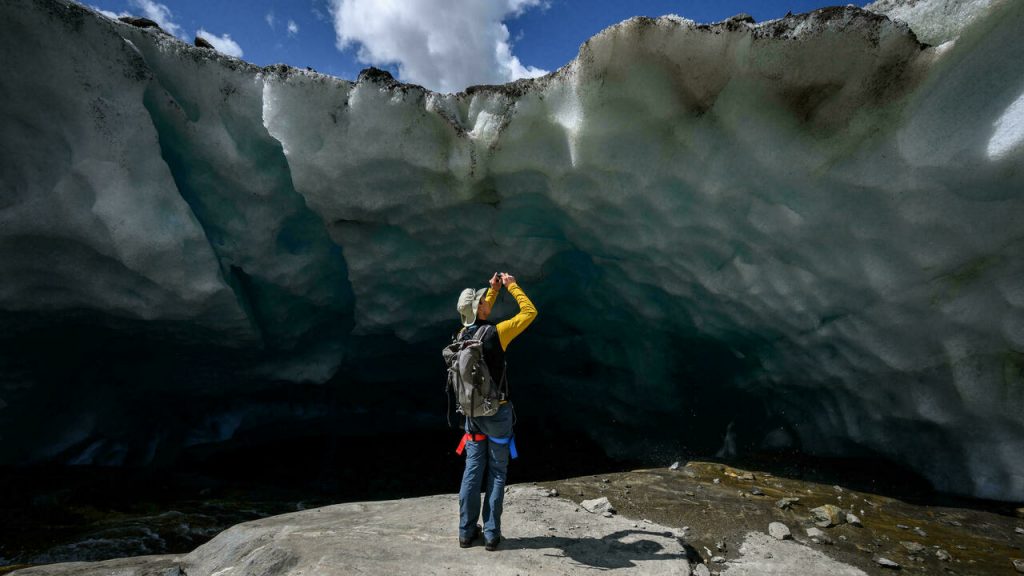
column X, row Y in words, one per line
column 488, row 440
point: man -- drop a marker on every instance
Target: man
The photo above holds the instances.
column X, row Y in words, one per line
column 488, row 439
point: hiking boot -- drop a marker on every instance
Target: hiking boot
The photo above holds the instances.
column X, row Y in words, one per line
column 492, row 545
column 467, row 542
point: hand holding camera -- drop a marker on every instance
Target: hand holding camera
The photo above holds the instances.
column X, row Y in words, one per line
column 502, row 279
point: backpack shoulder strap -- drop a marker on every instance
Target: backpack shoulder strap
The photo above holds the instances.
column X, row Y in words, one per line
column 483, row 331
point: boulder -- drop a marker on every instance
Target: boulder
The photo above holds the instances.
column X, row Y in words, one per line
column 779, row 531
column 827, row 515
column 598, row 506
column 140, row 22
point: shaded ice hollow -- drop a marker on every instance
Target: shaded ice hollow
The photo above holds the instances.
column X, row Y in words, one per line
column 831, row 207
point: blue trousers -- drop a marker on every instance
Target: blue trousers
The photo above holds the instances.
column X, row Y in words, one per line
column 485, row 460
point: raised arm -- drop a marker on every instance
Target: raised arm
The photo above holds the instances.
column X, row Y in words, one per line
column 514, row 326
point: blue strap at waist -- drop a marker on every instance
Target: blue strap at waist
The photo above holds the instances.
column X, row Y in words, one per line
column 511, row 441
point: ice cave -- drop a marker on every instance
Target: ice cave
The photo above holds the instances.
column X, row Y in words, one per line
column 799, row 234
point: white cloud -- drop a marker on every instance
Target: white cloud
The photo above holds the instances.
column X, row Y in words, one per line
column 158, row 13
column 270, row 19
column 224, row 44
column 293, row 28
column 108, row 13
column 444, row 45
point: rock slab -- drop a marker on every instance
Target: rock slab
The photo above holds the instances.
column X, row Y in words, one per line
column 416, row 536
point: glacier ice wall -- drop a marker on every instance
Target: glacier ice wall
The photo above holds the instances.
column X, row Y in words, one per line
column 807, row 227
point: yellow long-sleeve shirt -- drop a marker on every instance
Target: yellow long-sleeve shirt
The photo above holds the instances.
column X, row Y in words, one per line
column 514, row 326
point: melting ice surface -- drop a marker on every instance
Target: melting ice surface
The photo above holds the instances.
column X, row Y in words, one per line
column 810, row 227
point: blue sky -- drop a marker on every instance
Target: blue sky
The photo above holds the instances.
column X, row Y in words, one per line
column 442, row 44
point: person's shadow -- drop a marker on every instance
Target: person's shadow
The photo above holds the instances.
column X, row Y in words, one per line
column 608, row 552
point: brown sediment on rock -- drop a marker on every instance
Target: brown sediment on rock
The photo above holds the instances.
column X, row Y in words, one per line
column 982, row 540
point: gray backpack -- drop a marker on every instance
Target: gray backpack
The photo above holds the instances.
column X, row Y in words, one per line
column 476, row 392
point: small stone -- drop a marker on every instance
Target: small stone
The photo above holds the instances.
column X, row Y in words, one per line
column 961, row 547
column 786, row 503
column 718, row 559
column 886, row 563
column 598, row 505
column 689, row 494
column 756, row 491
column 837, row 488
column 747, row 476
column 842, row 537
column 701, row 570
column 607, row 514
column 817, row 536
column 1018, row 565
column 717, row 481
column 674, row 466
column 903, row 527
column 912, row 547
column 827, row 515
column 552, row 493
column 1019, row 530
column 605, row 480
column 920, row 532
column 720, row 545
column 942, row 555
column 853, row 519
column 779, row 531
